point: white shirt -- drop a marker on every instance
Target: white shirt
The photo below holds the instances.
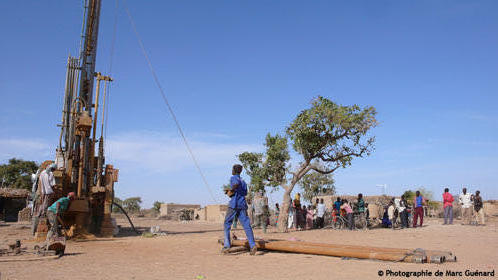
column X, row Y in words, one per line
column 397, row 203
column 47, row 181
column 320, row 210
column 390, row 212
column 464, row 200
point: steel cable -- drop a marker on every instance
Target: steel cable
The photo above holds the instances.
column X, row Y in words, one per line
column 163, row 95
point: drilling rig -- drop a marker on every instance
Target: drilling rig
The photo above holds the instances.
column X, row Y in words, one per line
column 80, row 160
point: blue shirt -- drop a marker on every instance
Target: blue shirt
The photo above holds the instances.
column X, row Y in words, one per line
column 64, row 203
column 337, row 206
column 419, row 201
column 238, row 200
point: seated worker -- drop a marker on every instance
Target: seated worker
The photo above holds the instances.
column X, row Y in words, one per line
column 57, row 208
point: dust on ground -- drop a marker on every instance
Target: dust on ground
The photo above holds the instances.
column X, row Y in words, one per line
column 190, row 251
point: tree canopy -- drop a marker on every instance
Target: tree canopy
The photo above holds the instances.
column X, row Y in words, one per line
column 132, row 204
column 326, row 136
column 117, row 200
column 157, row 206
column 17, row 173
column 315, row 183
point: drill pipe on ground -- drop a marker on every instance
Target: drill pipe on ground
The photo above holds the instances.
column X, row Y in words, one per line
column 433, row 256
column 320, row 249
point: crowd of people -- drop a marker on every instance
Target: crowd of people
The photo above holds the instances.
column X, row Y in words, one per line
column 302, row 217
column 398, row 213
column 349, row 214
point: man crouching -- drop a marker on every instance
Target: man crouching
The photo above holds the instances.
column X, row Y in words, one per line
column 56, row 209
column 238, row 206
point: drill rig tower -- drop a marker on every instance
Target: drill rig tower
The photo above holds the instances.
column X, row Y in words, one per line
column 80, row 161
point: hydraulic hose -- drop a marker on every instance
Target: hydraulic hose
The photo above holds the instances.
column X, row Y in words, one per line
column 126, row 214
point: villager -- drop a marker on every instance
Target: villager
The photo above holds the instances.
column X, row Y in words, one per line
column 361, row 207
column 291, row 220
column 349, row 213
column 478, row 208
column 309, row 217
column 448, row 207
column 277, row 213
column 46, row 182
column 367, row 213
column 55, row 210
column 298, row 216
column 418, row 204
column 304, row 213
column 465, row 200
column 403, row 212
column 238, row 205
column 385, row 218
column 259, row 203
column 336, row 209
column 320, row 213
column 391, row 213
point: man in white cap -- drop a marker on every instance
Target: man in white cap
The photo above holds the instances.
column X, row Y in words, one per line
column 46, row 183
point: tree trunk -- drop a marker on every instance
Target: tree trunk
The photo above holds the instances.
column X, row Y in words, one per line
column 283, row 218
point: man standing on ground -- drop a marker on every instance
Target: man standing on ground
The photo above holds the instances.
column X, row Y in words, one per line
column 401, row 210
column 320, row 212
column 418, row 204
column 259, row 204
column 361, row 209
column 403, row 213
column 337, row 208
column 448, row 207
column 56, row 209
column 465, row 201
column 478, row 207
column 238, row 205
column 46, row 183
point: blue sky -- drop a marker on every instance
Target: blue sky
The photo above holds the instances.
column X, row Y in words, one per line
column 235, row 70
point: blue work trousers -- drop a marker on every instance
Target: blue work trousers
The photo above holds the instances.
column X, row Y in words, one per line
column 244, row 220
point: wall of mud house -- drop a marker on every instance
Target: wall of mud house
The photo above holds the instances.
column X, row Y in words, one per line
column 171, row 210
column 10, row 207
column 212, row 213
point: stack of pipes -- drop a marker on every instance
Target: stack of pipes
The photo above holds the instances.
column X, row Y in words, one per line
column 352, row 251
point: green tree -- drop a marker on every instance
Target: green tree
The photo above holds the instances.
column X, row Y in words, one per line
column 315, row 183
column 17, row 173
column 253, row 164
column 409, row 195
column 427, row 194
column 132, row 204
column 157, row 206
column 326, row 136
column 117, row 200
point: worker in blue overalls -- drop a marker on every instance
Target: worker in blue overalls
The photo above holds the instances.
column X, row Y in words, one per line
column 238, row 206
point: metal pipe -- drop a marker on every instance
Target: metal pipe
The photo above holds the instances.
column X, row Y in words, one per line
column 97, row 92
column 319, row 249
column 103, row 108
column 435, row 254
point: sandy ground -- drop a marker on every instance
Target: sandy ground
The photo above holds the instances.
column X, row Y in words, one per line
column 190, row 251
